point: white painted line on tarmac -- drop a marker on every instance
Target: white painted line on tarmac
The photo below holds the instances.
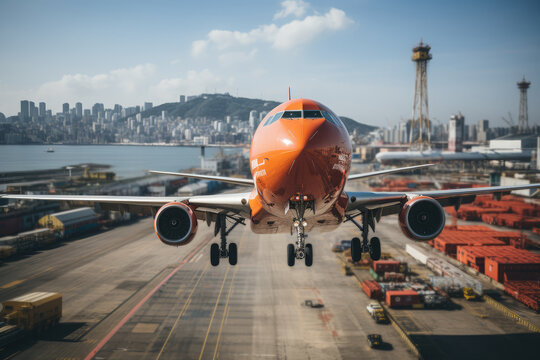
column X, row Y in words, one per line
column 196, row 258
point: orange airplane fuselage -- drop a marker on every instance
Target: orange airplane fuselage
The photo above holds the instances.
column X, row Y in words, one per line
column 301, row 150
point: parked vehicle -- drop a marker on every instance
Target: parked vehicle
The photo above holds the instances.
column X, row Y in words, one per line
column 372, row 307
column 374, row 340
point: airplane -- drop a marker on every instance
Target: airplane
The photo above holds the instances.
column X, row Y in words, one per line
column 300, row 162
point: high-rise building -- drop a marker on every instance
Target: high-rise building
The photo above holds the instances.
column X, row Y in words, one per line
column 42, row 109
column 482, row 132
column 148, row 106
column 253, row 119
column 182, row 98
column 164, row 115
column 33, row 110
column 25, row 109
column 78, row 109
column 65, row 108
column 456, row 133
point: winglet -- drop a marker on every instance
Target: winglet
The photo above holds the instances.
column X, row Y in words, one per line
column 289, row 93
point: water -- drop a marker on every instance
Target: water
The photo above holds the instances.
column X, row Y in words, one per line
column 126, row 161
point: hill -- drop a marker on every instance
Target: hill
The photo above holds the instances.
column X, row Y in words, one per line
column 217, row 106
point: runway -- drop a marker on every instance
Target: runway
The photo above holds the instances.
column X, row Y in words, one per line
column 126, row 295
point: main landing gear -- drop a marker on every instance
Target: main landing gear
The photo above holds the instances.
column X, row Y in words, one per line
column 221, row 251
column 373, row 246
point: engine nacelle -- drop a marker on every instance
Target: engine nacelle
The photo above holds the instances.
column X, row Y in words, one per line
column 422, row 218
column 175, row 224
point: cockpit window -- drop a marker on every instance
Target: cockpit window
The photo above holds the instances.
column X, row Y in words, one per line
column 329, row 117
column 333, row 119
column 292, row 114
column 312, row 114
column 274, row 118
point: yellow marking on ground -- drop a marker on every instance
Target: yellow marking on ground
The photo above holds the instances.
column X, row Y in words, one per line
column 225, row 313
column 214, row 312
column 188, row 301
column 11, row 284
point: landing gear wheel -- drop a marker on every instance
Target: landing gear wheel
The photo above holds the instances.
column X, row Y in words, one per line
column 291, row 255
column 356, row 249
column 214, row 254
column 375, row 248
column 309, row 255
column 233, row 254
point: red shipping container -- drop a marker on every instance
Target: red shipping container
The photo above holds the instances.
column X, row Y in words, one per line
column 372, row 289
column 402, row 298
column 528, row 292
column 497, row 266
column 382, row 266
column 394, row 277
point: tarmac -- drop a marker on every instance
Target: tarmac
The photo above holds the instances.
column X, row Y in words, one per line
column 128, row 296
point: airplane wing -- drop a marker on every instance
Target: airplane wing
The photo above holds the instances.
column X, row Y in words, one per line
column 232, row 204
column 384, row 172
column 392, row 202
column 230, row 180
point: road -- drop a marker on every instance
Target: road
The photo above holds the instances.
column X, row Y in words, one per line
column 126, row 295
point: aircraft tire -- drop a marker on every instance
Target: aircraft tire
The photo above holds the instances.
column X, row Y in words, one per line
column 309, row 254
column 214, row 254
column 375, row 248
column 233, row 254
column 291, row 256
column 356, row 249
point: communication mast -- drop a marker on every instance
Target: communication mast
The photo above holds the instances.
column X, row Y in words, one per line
column 420, row 132
column 523, row 124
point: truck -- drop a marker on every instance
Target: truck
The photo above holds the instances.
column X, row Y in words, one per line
column 32, row 313
column 380, row 316
column 469, row 294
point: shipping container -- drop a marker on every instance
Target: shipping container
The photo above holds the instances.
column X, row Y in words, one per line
column 382, row 266
column 372, row 289
column 402, row 298
column 33, row 312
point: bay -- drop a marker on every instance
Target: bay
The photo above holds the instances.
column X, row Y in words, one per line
column 126, row 160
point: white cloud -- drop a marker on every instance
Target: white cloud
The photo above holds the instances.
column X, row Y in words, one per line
column 292, row 7
column 126, row 86
column 287, row 36
column 121, row 84
column 198, row 47
column 236, row 57
column 195, row 82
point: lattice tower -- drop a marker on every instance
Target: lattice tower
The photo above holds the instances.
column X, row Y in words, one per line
column 420, row 132
column 523, row 125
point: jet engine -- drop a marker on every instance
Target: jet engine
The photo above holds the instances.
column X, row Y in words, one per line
column 175, row 224
column 422, row 218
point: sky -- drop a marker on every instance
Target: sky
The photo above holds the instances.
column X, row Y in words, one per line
column 353, row 56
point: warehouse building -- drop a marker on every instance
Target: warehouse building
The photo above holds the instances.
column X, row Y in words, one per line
column 71, row 222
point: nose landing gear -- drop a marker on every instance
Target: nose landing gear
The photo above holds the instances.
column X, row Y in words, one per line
column 373, row 246
column 301, row 250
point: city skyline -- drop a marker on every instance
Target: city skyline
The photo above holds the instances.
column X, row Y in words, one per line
column 353, row 57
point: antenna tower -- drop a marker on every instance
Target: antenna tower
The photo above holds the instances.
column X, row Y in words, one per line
column 420, row 133
column 523, row 124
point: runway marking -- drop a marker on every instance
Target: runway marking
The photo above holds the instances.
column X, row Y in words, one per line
column 214, row 312
column 11, row 284
column 196, row 258
column 184, row 308
column 227, row 308
column 225, row 313
column 17, row 282
column 108, row 337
